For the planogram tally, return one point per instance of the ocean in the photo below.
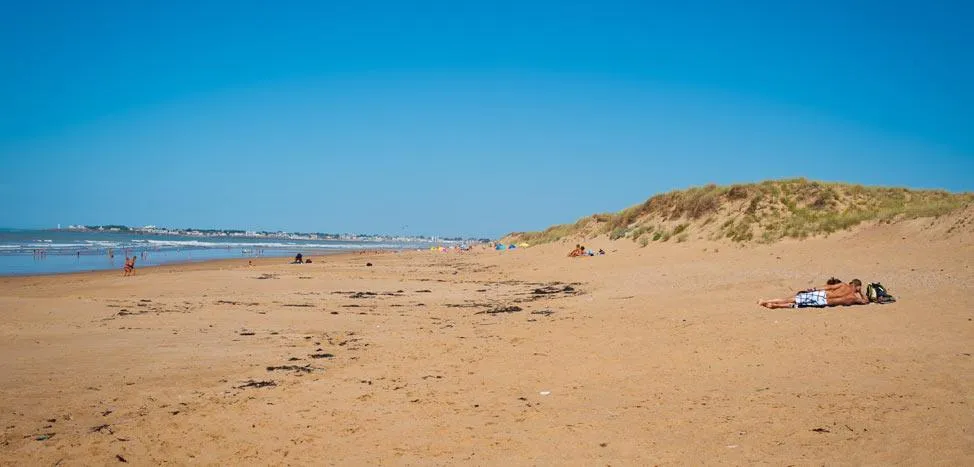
(28, 252)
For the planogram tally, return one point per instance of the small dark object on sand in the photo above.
(543, 312)
(506, 309)
(424, 291)
(304, 369)
(246, 333)
(368, 265)
(231, 302)
(821, 430)
(99, 428)
(267, 276)
(257, 384)
(120, 458)
(322, 355)
(548, 289)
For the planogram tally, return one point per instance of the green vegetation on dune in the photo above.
(765, 212)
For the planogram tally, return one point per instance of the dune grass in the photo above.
(764, 212)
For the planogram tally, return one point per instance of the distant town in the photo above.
(191, 232)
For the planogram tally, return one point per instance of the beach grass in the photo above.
(764, 212)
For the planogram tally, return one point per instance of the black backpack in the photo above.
(876, 293)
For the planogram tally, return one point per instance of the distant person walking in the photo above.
(129, 268)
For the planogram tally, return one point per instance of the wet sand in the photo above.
(655, 355)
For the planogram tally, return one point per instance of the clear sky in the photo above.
(464, 118)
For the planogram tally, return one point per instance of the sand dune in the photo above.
(654, 355)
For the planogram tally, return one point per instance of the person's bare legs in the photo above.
(778, 303)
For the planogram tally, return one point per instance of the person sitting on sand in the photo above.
(297, 259)
(827, 295)
(578, 251)
(129, 267)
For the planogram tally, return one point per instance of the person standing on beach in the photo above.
(129, 268)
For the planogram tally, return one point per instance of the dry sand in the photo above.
(654, 355)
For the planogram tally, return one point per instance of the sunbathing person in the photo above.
(129, 267)
(827, 295)
(578, 251)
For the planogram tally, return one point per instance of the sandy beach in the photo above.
(655, 355)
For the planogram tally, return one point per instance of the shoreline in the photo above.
(30, 253)
(193, 265)
(269, 259)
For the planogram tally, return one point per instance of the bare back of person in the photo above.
(836, 291)
(844, 295)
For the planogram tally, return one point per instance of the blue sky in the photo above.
(464, 118)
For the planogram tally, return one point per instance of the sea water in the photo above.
(25, 252)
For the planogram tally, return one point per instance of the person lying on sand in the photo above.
(578, 251)
(827, 295)
(129, 267)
